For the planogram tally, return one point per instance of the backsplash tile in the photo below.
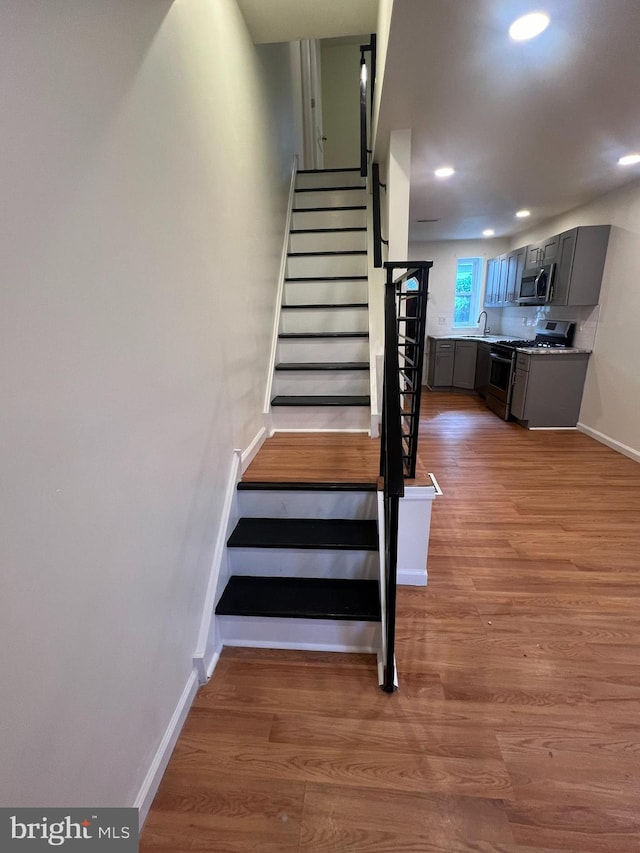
(585, 318)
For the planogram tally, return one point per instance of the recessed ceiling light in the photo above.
(488, 232)
(522, 214)
(444, 172)
(529, 26)
(629, 160)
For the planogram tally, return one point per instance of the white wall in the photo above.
(442, 279)
(142, 225)
(611, 401)
(341, 103)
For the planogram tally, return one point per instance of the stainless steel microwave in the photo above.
(536, 285)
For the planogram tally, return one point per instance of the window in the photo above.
(467, 291)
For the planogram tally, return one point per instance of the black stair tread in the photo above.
(323, 209)
(322, 171)
(323, 365)
(324, 305)
(301, 598)
(311, 486)
(325, 400)
(329, 254)
(327, 189)
(286, 335)
(339, 534)
(328, 278)
(326, 230)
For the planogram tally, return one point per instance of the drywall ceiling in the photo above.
(289, 20)
(537, 125)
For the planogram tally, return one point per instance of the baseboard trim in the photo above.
(631, 452)
(412, 577)
(247, 456)
(204, 657)
(162, 755)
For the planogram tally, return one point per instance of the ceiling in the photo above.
(537, 125)
(290, 20)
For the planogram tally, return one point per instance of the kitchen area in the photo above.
(532, 373)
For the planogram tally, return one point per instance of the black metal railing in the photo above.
(405, 311)
(375, 211)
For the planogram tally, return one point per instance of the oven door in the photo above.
(500, 375)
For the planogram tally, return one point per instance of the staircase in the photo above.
(321, 374)
(303, 568)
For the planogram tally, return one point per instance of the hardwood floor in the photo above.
(517, 724)
(320, 457)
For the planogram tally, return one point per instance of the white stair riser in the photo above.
(331, 292)
(329, 219)
(303, 563)
(309, 504)
(330, 198)
(320, 418)
(331, 635)
(325, 320)
(300, 382)
(324, 349)
(317, 266)
(346, 178)
(332, 241)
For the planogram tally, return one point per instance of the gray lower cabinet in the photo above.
(547, 389)
(441, 355)
(451, 363)
(464, 365)
(483, 368)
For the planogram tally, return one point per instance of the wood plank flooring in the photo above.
(516, 728)
(321, 457)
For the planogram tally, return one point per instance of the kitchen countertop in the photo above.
(492, 339)
(552, 350)
(488, 339)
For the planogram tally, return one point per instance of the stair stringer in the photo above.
(266, 409)
(376, 285)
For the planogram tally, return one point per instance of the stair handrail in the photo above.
(364, 76)
(376, 217)
(408, 291)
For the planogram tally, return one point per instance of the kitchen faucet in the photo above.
(486, 331)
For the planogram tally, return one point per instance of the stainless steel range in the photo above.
(550, 333)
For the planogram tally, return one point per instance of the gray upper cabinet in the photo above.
(503, 279)
(492, 283)
(533, 256)
(580, 263)
(545, 252)
(515, 267)
(550, 249)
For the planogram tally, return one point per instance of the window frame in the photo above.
(476, 290)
